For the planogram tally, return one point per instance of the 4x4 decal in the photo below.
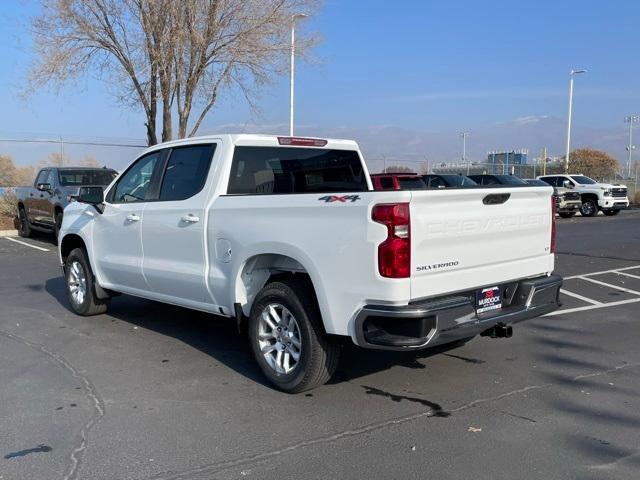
(340, 198)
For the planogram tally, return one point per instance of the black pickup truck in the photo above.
(41, 206)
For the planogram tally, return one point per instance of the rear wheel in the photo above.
(589, 208)
(611, 213)
(24, 229)
(567, 214)
(80, 282)
(288, 339)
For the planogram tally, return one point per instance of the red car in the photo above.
(398, 181)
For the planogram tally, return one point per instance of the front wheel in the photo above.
(589, 208)
(288, 339)
(24, 228)
(611, 213)
(80, 282)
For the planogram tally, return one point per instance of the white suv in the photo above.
(595, 196)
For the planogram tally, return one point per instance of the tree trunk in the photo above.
(167, 129)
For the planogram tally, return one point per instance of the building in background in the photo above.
(503, 161)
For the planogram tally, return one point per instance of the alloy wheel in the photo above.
(279, 338)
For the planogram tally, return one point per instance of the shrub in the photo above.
(8, 203)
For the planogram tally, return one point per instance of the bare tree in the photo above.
(180, 54)
(12, 175)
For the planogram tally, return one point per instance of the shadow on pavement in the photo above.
(218, 337)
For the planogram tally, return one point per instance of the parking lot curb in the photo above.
(8, 233)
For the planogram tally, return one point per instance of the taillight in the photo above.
(394, 254)
(554, 233)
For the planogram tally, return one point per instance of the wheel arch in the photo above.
(70, 242)
(589, 196)
(260, 268)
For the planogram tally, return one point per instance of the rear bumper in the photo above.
(442, 320)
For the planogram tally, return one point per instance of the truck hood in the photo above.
(600, 186)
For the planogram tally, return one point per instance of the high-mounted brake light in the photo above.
(554, 231)
(394, 254)
(301, 141)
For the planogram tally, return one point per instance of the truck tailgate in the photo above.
(470, 238)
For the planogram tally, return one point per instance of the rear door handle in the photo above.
(190, 218)
(132, 217)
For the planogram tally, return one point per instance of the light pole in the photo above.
(464, 136)
(566, 158)
(631, 119)
(293, 66)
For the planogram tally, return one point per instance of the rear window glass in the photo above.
(458, 181)
(412, 184)
(101, 177)
(283, 170)
(510, 180)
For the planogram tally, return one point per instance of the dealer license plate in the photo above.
(488, 299)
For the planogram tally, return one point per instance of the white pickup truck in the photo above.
(595, 196)
(287, 236)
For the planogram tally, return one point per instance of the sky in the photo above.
(435, 66)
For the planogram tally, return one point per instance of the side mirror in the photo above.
(43, 187)
(567, 184)
(93, 196)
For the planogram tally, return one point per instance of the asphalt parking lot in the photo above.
(150, 391)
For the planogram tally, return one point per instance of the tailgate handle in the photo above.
(496, 198)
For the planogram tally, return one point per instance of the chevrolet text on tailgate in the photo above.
(287, 236)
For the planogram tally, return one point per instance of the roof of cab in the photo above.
(251, 139)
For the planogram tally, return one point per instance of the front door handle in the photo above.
(132, 217)
(190, 218)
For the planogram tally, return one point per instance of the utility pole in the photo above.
(631, 119)
(293, 67)
(566, 158)
(464, 135)
(544, 160)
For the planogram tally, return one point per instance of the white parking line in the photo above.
(615, 287)
(615, 270)
(580, 297)
(628, 275)
(592, 307)
(27, 244)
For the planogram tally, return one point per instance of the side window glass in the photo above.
(134, 184)
(186, 172)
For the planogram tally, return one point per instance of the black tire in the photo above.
(318, 355)
(567, 214)
(90, 303)
(57, 224)
(24, 229)
(589, 208)
(611, 213)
